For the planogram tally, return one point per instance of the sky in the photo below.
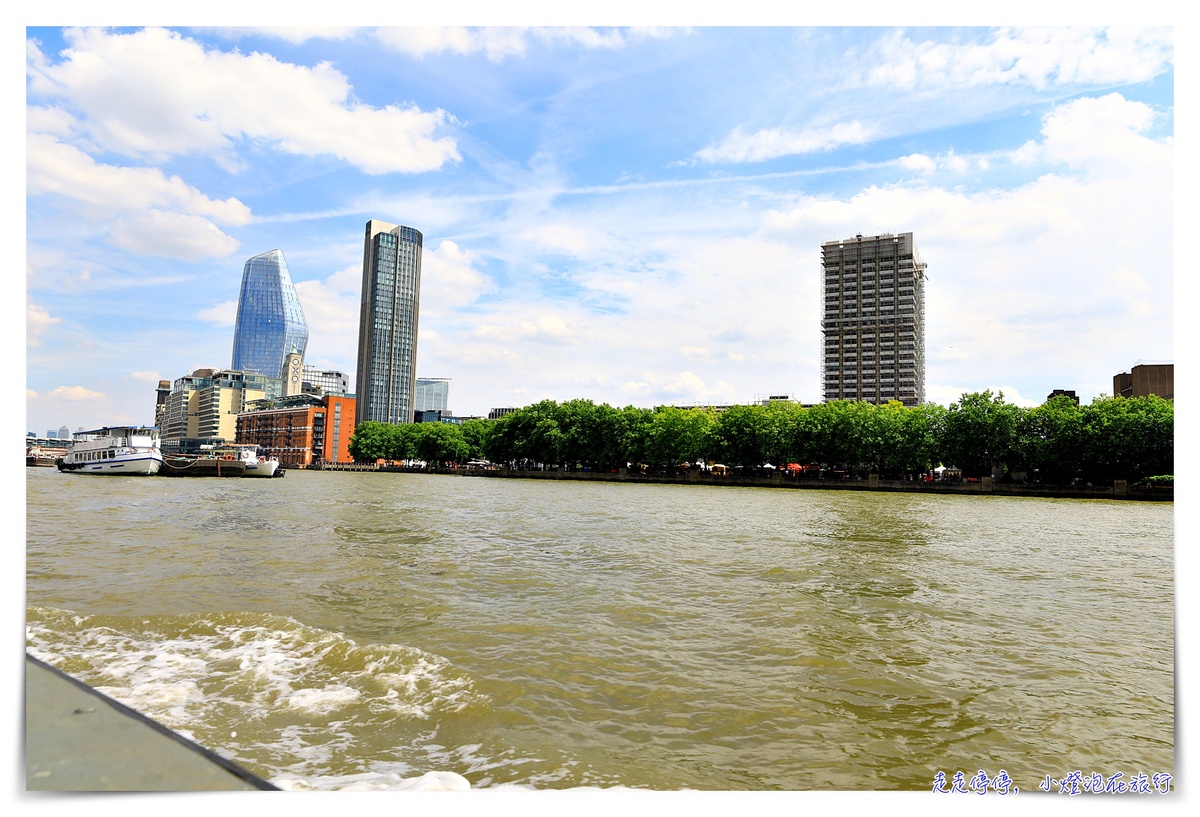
(631, 215)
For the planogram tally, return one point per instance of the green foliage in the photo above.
(367, 442)
(981, 432)
(632, 434)
(1128, 438)
(1113, 438)
(676, 435)
(438, 443)
(1052, 438)
(475, 434)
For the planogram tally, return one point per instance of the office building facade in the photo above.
(386, 381)
(204, 405)
(326, 381)
(270, 322)
(873, 319)
(433, 394)
(1146, 379)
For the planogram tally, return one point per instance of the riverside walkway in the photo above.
(79, 740)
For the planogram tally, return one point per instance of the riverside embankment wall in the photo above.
(1118, 490)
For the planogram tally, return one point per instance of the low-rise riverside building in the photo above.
(300, 430)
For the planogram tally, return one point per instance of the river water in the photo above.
(356, 630)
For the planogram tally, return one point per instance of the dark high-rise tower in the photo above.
(873, 325)
(270, 322)
(387, 330)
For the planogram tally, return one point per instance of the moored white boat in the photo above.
(257, 465)
(39, 456)
(130, 450)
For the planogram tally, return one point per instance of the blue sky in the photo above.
(631, 215)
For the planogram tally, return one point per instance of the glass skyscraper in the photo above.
(387, 330)
(270, 322)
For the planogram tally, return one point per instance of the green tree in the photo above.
(439, 443)
(920, 448)
(677, 435)
(632, 431)
(1128, 438)
(475, 433)
(368, 441)
(981, 432)
(589, 433)
(1051, 441)
(833, 433)
(744, 435)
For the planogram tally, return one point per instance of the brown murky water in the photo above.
(357, 629)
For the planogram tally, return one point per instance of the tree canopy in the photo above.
(1060, 441)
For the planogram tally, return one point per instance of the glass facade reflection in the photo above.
(387, 331)
(270, 322)
(433, 394)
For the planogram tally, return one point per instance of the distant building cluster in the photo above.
(872, 329)
(299, 413)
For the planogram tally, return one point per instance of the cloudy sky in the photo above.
(631, 215)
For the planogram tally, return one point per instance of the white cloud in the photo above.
(1102, 135)
(449, 279)
(956, 163)
(37, 322)
(75, 393)
(563, 238)
(549, 329)
(296, 35)
(946, 395)
(145, 377)
(771, 143)
(688, 387)
(331, 308)
(918, 162)
(171, 235)
(224, 314)
(1037, 57)
(501, 42)
(131, 99)
(145, 210)
(58, 168)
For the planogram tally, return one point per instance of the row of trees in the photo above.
(1112, 438)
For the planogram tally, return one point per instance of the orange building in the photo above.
(301, 430)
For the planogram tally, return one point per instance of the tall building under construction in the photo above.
(873, 324)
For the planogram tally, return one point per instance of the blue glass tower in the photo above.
(270, 322)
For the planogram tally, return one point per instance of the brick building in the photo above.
(301, 430)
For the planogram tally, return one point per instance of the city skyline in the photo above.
(633, 216)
